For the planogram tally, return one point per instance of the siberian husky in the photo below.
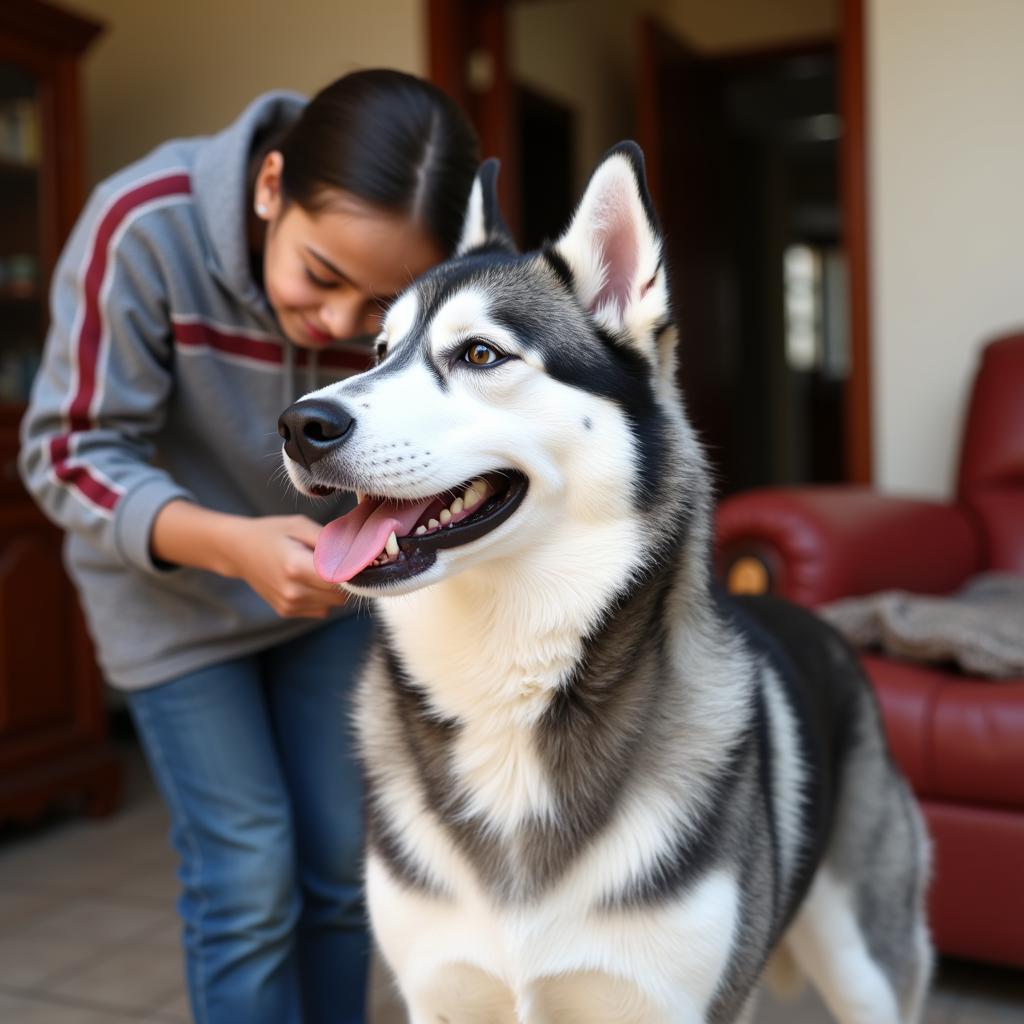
(597, 789)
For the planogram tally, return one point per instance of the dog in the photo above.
(597, 788)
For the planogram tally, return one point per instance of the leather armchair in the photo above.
(959, 740)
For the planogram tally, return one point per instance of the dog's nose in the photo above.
(312, 428)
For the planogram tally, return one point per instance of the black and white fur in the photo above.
(598, 790)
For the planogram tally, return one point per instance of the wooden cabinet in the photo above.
(53, 733)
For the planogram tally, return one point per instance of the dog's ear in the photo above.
(613, 250)
(483, 226)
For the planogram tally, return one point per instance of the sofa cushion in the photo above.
(992, 448)
(976, 902)
(1000, 516)
(955, 738)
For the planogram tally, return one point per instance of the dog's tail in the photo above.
(783, 975)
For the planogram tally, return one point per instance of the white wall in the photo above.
(166, 68)
(946, 91)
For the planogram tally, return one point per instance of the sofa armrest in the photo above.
(817, 544)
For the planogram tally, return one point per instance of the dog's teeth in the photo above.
(392, 545)
(446, 517)
(471, 497)
(360, 495)
(457, 506)
(433, 524)
(420, 530)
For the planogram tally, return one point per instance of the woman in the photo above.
(204, 289)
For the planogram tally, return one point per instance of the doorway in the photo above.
(744, 159)
(751, 157)
(546, 130)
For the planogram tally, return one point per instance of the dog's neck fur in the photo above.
(512, 629)
(494, 649)
(493, 644)
(497, 639)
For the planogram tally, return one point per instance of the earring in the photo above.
(261, 209)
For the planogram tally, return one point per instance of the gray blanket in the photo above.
(980, 628)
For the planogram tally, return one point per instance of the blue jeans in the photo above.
(255, 760)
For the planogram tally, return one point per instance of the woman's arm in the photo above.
(273, 554)
(98, 401)
(100, 395)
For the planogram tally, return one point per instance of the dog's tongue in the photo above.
(348, 545)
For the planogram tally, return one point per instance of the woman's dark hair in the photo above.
(391, 139)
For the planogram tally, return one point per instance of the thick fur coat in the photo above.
(598, 790)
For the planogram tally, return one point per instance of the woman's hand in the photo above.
(273, 554)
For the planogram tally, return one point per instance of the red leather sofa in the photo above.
(959, 740)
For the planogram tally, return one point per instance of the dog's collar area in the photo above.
(385, 540)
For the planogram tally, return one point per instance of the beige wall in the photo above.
(167, 68)
(947, 160)
(947, 178)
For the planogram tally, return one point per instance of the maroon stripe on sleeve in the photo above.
(79, 477)
(86, 345)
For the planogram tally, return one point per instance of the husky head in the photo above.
(523, 410)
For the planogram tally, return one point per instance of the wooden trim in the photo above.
(496, 110)
(457, 29)
(646, 110)
(447, 48)
(61, 171)
(47, 25)
(853, 185)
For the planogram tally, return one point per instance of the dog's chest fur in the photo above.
(496, 679)
(513, 737)
(486, 672)
(527, 784)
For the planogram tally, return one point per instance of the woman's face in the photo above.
(329, 275)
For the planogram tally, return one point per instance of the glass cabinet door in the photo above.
(22, 298)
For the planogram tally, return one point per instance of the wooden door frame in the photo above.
(465, 32)
(459, 28)
(853, 197)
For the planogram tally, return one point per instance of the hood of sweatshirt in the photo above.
(223, 197)
(222, 192)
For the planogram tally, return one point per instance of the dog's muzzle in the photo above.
(313, 428)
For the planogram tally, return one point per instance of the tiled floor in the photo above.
(88, 933)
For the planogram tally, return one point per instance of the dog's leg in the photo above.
(782, 974)
(589, 997)
(830, 948)
(913, 1004)
(461, 994)
(746, 1015)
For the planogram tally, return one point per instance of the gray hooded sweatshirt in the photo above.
(163, 376)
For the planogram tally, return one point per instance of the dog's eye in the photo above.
(479, 353)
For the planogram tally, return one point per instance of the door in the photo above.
(743, 156)
(679, 128)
